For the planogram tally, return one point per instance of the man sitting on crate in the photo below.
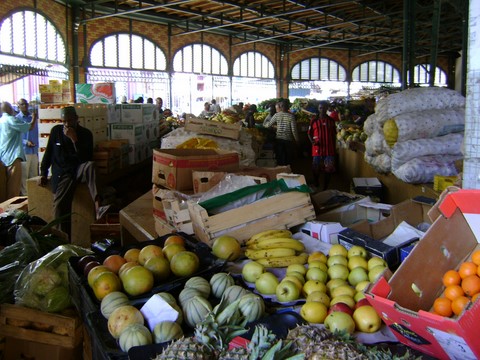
(69, 152)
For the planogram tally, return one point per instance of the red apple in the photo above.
(84, 260)
(362, 302)
(340, 307)
(89, 266)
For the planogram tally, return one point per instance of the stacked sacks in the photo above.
(416, 134)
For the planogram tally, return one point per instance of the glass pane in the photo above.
(216, 57)
(197, 58)
(381, 76)
(342, 74)
(6, 36)
(223, 66)
(296, 72)
(96, 55)
(372, 71)
(41, 37)
(258, 60)
(251, 64)
(364, 72)
(356, 74)
(137, 52)
(160, 58)
(149, 55)
(324, 69)
(111, 51)
(18, 38)
(206, 59)
(30, 33)
(236, 67)
(187, 65)
(61, 49)
(52, 42)
(124, 58)
(178, 61)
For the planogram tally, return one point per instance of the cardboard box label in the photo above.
(95, 93)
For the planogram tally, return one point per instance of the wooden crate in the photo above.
(280, 211)
(215, 128)
(27, 324)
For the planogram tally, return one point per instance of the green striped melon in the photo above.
(252, 307)
(186, 294)
(165, 331)
(196, 310)
(179, 320)
(220, 282)
(134, 335)
(200, 284)
(233, 293)
(112, 301)
(169, 298)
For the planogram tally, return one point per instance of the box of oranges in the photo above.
(431, 301)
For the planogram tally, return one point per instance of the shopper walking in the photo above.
(12, 152)
(322, 135)
(216, 109)
(69, 152)
(286, 135)
(30, 145)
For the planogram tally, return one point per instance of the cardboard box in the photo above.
(95, 93)
(132, 132)
(449, 241)
(205, 180)
(368, 187)
(269, 173)
(371, 235)
(329, 200)
(281, 211)
(137, 113)
(172, 168)
(321, 230)
(216, 128)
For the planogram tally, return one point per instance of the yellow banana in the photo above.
(266, 253)
(272, 243)
(284, 261)
(269, 234)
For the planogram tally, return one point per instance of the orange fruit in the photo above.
(459, 304)
(453, 291)
(475, 297)
(114, 262)
(174, 239)
(471, 285)
(467, 268)
(451, 277)
(443, 306)
(476, 257)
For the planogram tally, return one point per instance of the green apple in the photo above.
(252, 270)
(316, 274)
(319, 296)
(295, 280)
(342, 290)
(333, 283)
(362, 285)
(359, 295)
(318, 264)
(337, 249)
(375, 273)
(287, 291)
(339, 321)
(357, 250)
(338, 271)
(298, 268)
(313, 285)
(266, 283)
(337, 259)
(357, 261)
(346, 299)
(357, 275)
(366, 319)
(298, 276)
(375, 261)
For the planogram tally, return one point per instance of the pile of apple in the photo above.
(138, 270)
(332, 286)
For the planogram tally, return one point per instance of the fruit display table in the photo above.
(136, 220)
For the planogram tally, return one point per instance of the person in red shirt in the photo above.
(322, 135)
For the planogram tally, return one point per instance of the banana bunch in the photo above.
(275, 248)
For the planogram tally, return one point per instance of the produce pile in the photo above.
(416, 134)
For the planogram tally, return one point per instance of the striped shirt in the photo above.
(286, 126)
(323, 132)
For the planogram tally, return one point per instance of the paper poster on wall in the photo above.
(95, 93)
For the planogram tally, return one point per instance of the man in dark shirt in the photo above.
(69, 152)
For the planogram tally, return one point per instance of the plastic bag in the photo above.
(43, 284)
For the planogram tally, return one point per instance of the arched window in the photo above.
(134, 63)
(315, 69)
(376, 71)
(319, 78)
(32, 52)
(127, 51)
(253, 64)
(200, 59)
(422, 75)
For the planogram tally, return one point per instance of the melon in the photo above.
(196, 310)
(233, 293)
(123, 316)
(252, 307)
(200, 284)
(186, 294)
(134, 335)
(112, 301)
(165, 331)
(220, 282)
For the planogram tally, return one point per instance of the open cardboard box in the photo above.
(448, 242)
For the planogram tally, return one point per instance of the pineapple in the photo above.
(186, 348)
